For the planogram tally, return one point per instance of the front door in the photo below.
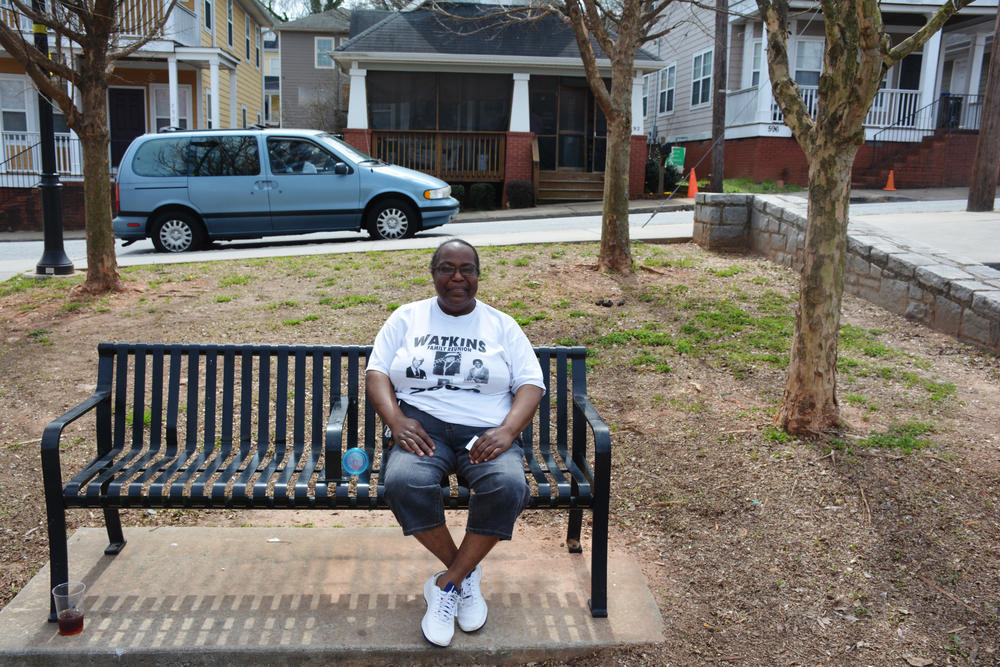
(126, 119)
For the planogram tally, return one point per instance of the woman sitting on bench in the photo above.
(454, 420)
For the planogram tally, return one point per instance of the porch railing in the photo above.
(451, 156)
(21, 157)
(948, 113)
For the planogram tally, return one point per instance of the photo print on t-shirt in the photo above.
(448, 364)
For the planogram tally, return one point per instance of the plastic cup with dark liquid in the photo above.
(69, 610)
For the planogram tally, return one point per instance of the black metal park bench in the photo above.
(265, 427)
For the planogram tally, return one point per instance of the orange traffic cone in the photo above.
(692, 185)
(890, 185)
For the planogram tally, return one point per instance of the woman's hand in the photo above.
(411, 436)
(491, 444)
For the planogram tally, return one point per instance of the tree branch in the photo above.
(786, 91)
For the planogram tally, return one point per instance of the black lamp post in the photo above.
(54, 260)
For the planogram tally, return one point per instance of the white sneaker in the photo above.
(438, 624)
(471, 605)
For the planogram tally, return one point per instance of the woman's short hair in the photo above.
(437, 253)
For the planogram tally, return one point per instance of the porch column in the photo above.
(520, 105)
(357, 105)
(764, 95)
(213, 64)
(928, 78)
(638, 121)
(172, 81)
(978, 49)
(233, 118)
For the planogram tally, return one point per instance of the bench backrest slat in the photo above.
(281, 396)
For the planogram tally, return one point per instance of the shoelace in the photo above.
(446, 607)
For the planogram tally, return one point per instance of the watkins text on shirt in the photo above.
(449, 343)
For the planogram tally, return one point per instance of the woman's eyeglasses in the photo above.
(467, 270)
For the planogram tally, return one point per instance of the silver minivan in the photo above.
(183, 189)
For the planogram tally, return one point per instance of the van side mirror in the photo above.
(341, 168)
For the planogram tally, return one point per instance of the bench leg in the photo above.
(573, 533)
(58, 553)
(599, 563)
(116, 538)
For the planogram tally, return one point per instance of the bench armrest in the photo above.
(602, 435)
(334, 439)
(51, 470)
(53, 430)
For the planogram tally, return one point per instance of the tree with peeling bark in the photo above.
(90, 37)
(620, 29)
(856, 56)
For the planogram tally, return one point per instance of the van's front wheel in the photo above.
(177, 231)
(392, 219)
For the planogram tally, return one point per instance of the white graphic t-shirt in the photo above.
(463, 370)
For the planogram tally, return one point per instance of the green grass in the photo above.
(905, 437)
(348, 301)
(745, 185)
(238, 279)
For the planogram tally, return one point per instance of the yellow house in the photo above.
(205, 71)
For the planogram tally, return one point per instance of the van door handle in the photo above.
(264, 185)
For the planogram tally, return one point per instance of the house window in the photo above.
(246, 38)
(243, 115)
(208, 109)
(645, 92)
(808, 62)
(13, 112)
(229, 23)
(324, 49)
(427, 101)
(668, 80)
(209, 14)
(270, 40)
(756, 51)
(161, 106)
(256, 48)
(701, 79)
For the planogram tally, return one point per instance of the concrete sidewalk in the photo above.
(266, 596)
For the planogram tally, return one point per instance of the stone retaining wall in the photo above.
(951, 294)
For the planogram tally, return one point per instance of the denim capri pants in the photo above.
(413, 483)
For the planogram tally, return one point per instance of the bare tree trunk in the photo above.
(102, 265)
(983, 189)
(809, 404)
(616, 250)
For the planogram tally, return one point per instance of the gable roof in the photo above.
(332, 20)
(479, 32)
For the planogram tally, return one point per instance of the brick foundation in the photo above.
(517, 161)
(360, 139)
(21, 208)
(637, 166)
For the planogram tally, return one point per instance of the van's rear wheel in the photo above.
(177, 231)
(392, 219)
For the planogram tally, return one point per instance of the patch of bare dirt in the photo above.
(759, 549)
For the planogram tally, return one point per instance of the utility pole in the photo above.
(719, 76)
(983, 188)
(54, 260)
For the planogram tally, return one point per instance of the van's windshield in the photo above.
(348, 151)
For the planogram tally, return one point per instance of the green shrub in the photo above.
(520, 194)
(482, 196)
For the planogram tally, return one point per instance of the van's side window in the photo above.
(225, 156)
(294, 156)
(162, 157)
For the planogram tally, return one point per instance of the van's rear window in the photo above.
(162, 157)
